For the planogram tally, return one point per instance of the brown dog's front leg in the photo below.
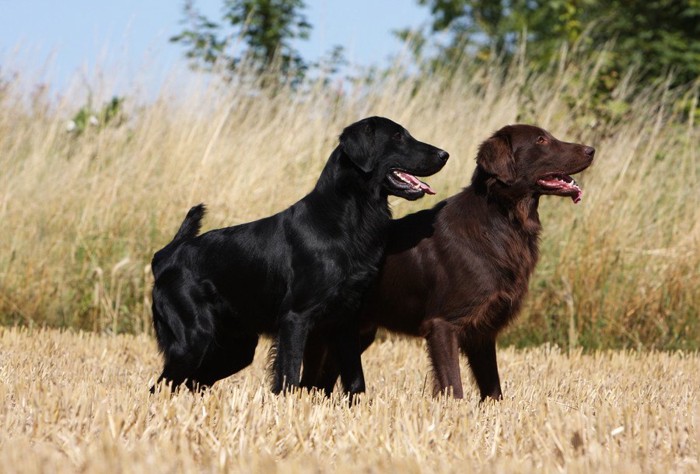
(444, 355)
(482, 360)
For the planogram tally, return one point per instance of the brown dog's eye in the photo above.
(398, 136)
(542, 140)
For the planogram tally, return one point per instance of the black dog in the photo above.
(304, 268)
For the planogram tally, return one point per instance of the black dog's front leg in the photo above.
(291, 341)
(320, 364)
(347, 347)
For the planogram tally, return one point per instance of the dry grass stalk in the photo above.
(83, 215)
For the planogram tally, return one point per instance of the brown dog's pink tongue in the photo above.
(566, 185)
(577, 197)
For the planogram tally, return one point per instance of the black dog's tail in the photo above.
(188, 230)
(191, 225)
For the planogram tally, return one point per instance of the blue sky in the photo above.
(71, 36)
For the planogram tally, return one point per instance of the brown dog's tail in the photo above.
(188, 230)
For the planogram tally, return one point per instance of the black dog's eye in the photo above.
(542, 140)
(398, 136)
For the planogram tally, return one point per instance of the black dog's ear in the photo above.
(358, 143)
(496, 158)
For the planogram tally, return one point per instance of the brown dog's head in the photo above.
(528, 160)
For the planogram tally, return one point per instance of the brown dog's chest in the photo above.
(521, 253)
(484, 288)
(474, 279)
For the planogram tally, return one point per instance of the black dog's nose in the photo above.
(443, 155)
(589, 150)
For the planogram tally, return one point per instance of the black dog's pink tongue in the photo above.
(425, 187)
(415, 182)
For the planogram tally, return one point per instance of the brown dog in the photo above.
(458, 273)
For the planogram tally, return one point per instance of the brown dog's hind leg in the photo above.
(444, 355)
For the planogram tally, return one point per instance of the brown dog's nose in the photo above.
(589, 150)
(443, 155)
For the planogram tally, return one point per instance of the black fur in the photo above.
(307, 267)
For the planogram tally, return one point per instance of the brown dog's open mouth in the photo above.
(562, 185)
(407, 182)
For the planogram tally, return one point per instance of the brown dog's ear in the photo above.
(496, 158)
(357, 141)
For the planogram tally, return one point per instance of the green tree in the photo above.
(656, 36)
(266, 27)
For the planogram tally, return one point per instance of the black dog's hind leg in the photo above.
(291, 341)
(226, 358)
(180, 356)
(186, 330)
(178, 369)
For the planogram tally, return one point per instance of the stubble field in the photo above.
(79, 402)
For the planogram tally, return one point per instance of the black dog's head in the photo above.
(528, 160)
(385, 151)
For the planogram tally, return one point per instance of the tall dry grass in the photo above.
(82, 215)
(79, 402)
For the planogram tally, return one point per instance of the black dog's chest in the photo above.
(337, 288)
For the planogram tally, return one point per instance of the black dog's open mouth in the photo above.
(562, 185)
(407, 182)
